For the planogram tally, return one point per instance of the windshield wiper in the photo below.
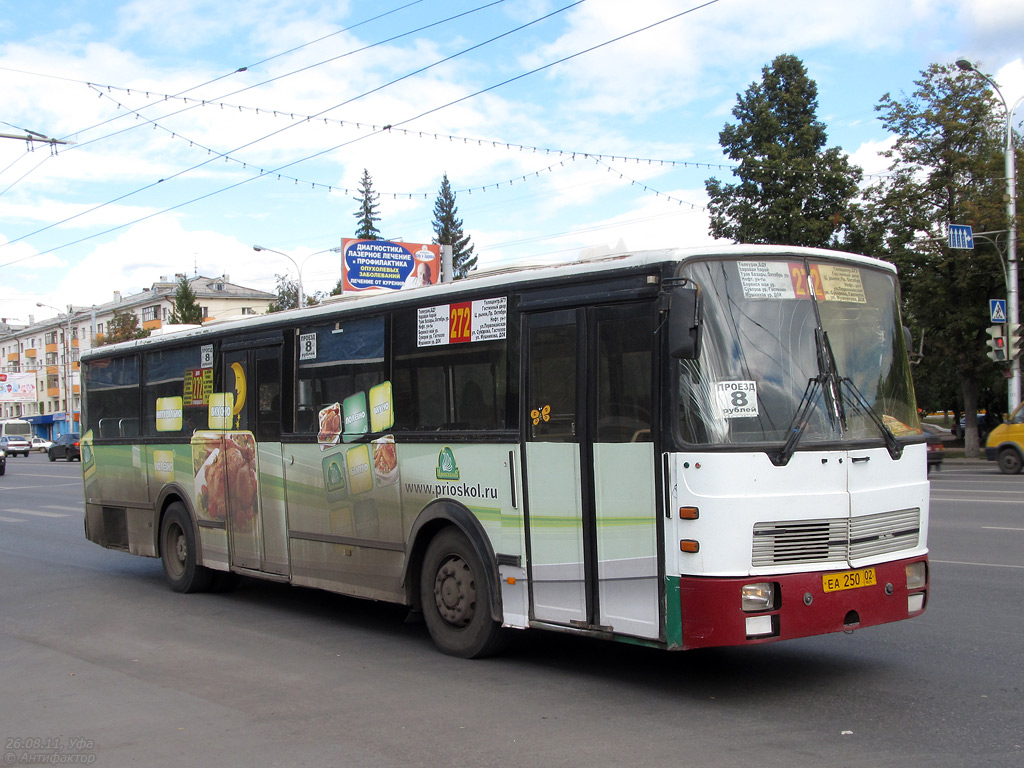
(827, 380)
(798, 424)
(893, 445)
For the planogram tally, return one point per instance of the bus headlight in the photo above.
(757, 597)
(917, 576)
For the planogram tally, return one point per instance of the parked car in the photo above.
(41, 444)
(65, 447)
(14, 444)
(936, 451)
(986, 422)
(3, 461)
(1005, 443)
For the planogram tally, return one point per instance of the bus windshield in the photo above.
(789, 345)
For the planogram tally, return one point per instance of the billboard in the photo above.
(17, 387)
(367, 264)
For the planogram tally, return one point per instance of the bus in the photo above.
(16, 428)
(679, 448)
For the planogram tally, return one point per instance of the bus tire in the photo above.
(1009, 461)
(178, 552)
(454, 598)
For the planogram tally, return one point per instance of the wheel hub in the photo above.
(455, 592)
(181, 547)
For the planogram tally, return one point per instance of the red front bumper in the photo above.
(711, 614)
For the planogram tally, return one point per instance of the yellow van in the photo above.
(1005, 443)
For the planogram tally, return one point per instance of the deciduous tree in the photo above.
(946, 169)
(123, 326)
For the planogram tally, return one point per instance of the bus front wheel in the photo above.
(178, 552)
(455, 598)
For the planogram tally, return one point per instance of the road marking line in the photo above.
(984, 565)
(997, 528)
(10, 520)
(37, 487)
(35, 513)
(966, 490)
(980, 501)
(63, 509)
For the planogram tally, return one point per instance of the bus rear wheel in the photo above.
(455, 598)
(178, 552)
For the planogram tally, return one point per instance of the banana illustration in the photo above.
(239, 372)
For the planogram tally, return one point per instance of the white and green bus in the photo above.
(680, 448)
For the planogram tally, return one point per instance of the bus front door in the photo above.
(256, 520)
(592, 522)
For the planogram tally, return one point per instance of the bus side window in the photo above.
(113, 394)
(454, 387)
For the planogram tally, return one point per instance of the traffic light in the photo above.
(996, 344)
(1013, 340)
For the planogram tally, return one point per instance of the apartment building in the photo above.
(39, 361)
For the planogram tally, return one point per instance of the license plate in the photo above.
(836, 582)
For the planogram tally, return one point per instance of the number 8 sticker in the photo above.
(735, 399)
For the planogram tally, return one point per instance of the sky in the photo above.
(566, 129)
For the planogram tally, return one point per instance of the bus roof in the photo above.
(484, 279)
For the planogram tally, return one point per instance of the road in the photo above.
(95, 648)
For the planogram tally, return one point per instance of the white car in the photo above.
(40, 444)
(15, 444)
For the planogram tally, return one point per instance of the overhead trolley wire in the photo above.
(263, 138)
(353, 141)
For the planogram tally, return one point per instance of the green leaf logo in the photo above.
(447, 469)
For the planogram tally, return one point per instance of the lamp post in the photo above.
(298, 267)
(298, 270)
(1012, 296)
(69, 408)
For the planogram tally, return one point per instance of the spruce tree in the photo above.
(448, 231)
(186, 308)
(791, 190)
(367, 215)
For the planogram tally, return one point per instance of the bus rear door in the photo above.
(257, 538)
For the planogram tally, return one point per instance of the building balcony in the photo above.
(30, 352)
(13, 357)
(51, 349)
(53, 391)
(152, 325)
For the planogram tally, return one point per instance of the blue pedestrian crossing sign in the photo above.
(997, 310)
(961, 236)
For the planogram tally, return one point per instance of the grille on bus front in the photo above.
(796, 542)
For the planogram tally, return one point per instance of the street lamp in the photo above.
(298, 267)
(69, 409)
(298, 270)
(1012, 297)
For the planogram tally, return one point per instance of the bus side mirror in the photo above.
(684, 323)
